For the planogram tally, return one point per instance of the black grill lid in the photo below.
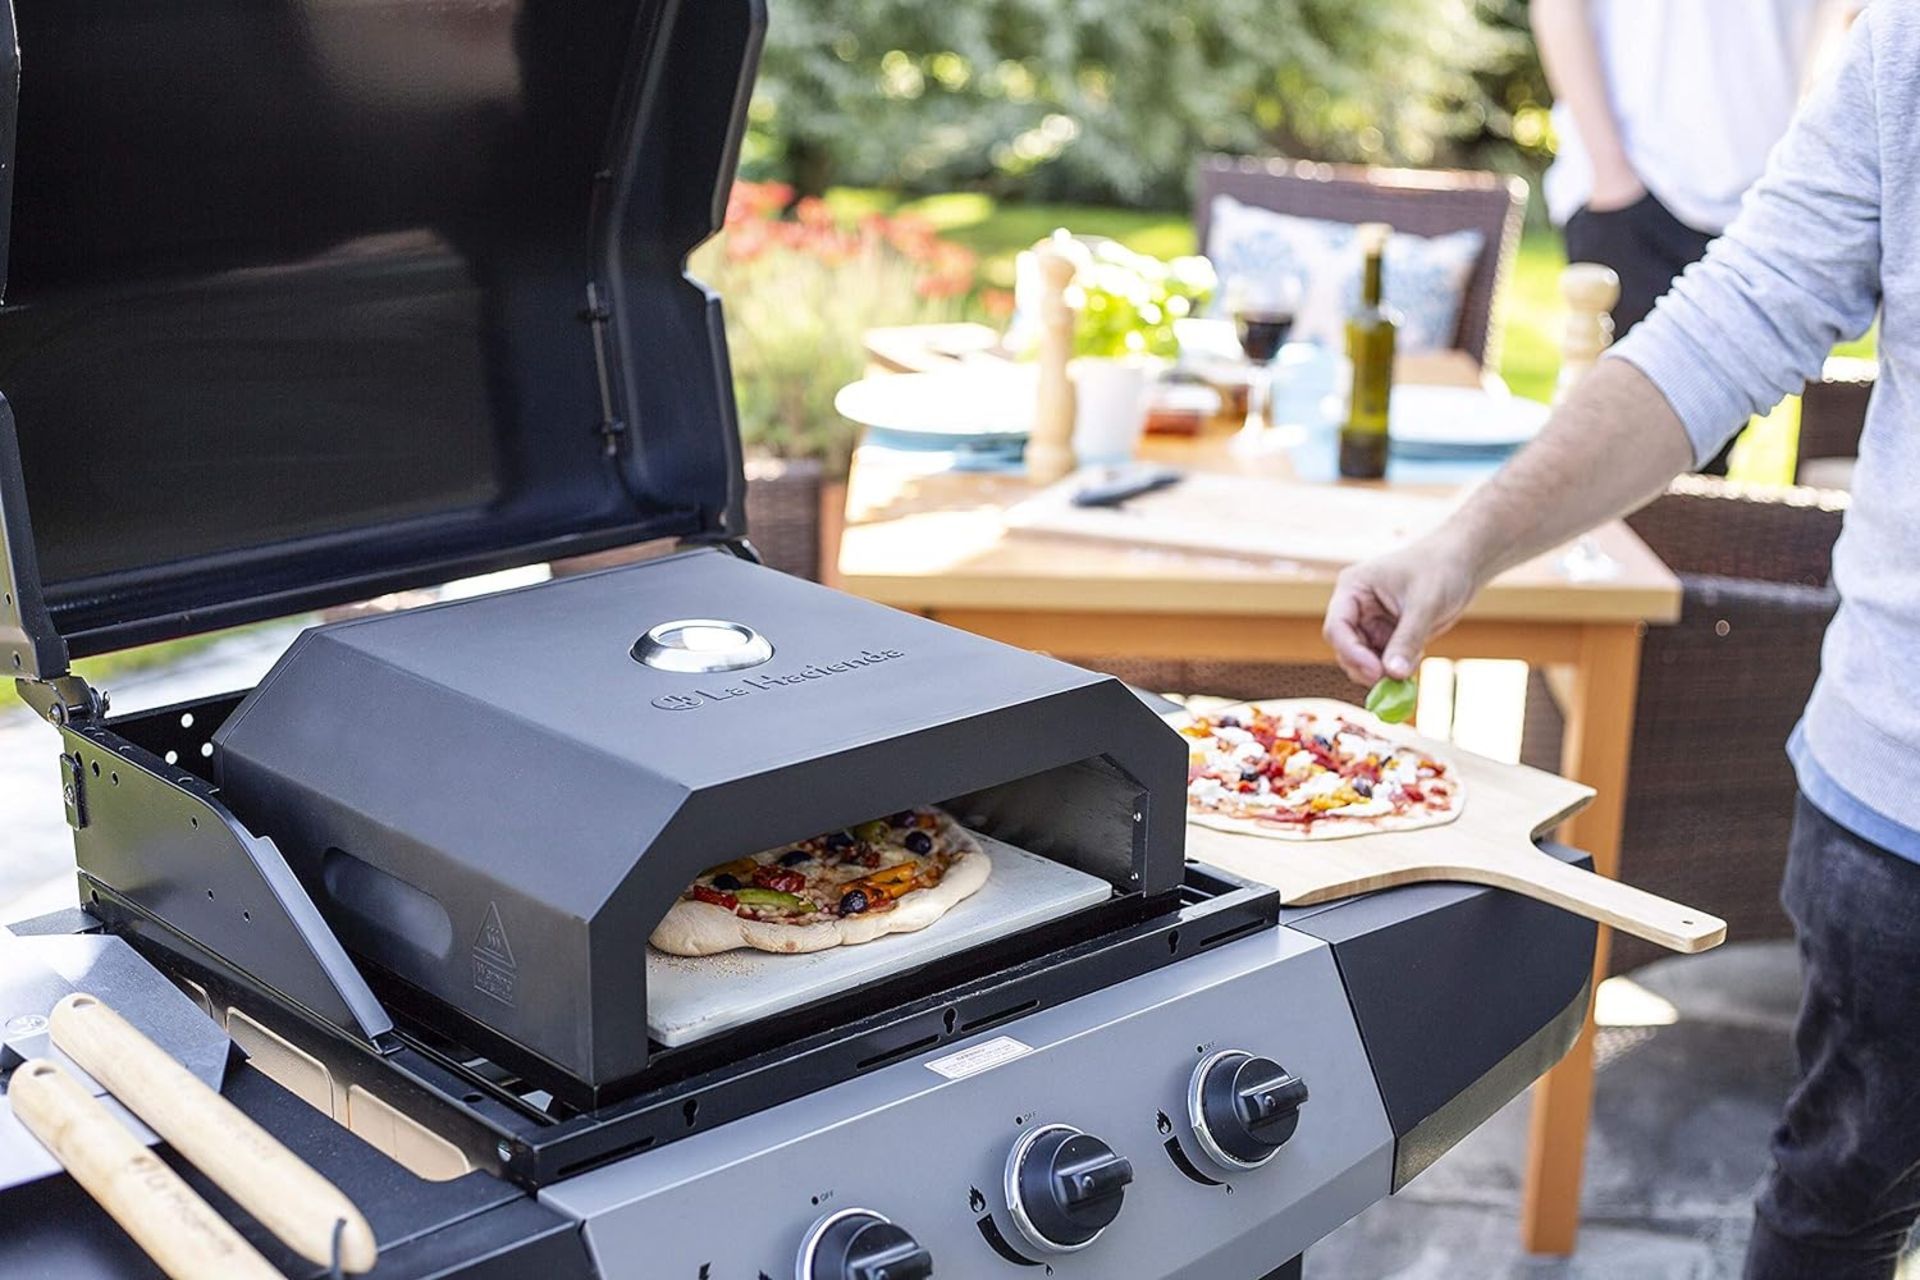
(308, 300)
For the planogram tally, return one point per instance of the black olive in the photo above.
(727, 883)
(853, 902)
(839, 840)
(919, 842)
(904, 818)
(1249, 775)
(1364, 787)
(1320, 740)
(1229, 722)
(794, 857)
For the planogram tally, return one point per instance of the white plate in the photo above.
(981, 398)
(1463, 417)
(690, 998)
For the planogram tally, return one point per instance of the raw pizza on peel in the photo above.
(891, 875)
(1311, 773)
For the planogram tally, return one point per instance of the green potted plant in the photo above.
(800, 290)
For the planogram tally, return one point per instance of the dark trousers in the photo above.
(1845, 1187)
(1647, 247)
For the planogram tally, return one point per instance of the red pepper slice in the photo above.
(701, 893)
(779, 878)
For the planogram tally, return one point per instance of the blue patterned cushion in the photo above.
(1426, 275)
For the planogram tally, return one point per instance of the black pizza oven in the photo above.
(496, 799)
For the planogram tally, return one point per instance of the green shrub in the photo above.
(1110, 99)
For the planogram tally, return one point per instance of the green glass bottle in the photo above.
(1370, 331)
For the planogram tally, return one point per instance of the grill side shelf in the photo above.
(157, 838)
(30, 646)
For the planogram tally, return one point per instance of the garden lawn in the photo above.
(1530, 346)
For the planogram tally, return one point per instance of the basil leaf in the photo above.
(1394, 700)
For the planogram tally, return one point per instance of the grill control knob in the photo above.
(1243, 1108)
(859, 1244)
(1064, 1187)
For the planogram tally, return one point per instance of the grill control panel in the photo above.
(1063, 1144)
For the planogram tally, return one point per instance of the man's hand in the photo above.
(1385, 610)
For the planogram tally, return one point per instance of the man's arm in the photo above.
(1563, 29)
(1797, 271)
(1610, 447)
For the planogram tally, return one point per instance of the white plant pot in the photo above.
(1111, 398)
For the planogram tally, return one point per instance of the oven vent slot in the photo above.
(997, 1016)
(1229, 934)
(894, 1055)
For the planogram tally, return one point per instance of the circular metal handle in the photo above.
(701, 646)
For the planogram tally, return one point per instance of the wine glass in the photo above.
(1263, 312)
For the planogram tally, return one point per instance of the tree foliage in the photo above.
(1112, 99)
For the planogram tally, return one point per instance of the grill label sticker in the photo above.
(980, 1057)
(750, 685)
(493, 968)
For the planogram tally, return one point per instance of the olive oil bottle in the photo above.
(1370, 333)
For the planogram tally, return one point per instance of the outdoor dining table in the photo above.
(925, 537)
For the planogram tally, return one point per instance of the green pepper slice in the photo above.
(772, 898)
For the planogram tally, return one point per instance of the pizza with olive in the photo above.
(1312, 772)
(891, 875)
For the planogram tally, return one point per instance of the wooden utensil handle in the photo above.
(179, 1230)
(298, 1205)
(1585, 893)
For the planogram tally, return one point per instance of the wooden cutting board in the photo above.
(1507, 808)
(1245, 516)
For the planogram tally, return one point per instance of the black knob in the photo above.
(1064, 1187)
(858, 1244)
(1244, 1108)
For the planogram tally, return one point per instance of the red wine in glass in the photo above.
(1262, 333)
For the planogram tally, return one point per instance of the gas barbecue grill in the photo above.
(310, 302)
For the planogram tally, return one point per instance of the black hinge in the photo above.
(598, 315)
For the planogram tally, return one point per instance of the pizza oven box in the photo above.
(298, 313)
(496, 801)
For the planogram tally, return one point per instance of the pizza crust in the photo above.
(703, 928)
(1341, 828)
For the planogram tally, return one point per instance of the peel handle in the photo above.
(165, 1217)
(270, 1182)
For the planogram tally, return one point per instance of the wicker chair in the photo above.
(1710, 792)
(1833, 411)
(1422, 202)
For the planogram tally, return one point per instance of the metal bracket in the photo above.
(30, 645)
(598, 315)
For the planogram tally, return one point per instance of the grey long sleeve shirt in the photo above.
(1830, 235)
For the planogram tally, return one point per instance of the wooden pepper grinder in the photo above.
(1050, 447)
(1590, 291)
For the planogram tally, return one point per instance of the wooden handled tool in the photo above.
(298, 1205)
(179, 1230)
(1507, 807)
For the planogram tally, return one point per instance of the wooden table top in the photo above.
(920, 536)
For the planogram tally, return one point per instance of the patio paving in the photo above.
(1682, 1113)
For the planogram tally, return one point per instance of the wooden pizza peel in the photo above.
(1508, 808)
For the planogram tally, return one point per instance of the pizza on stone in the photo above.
(891, 875)
(1312, 773)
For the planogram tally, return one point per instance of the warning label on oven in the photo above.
(493, 968)
(980, 1057)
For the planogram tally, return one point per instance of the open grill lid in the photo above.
(314, 300)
